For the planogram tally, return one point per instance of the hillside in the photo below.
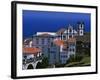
(86, 38)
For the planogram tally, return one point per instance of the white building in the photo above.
(31, 56)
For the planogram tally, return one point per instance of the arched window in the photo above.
(70, 30)
(30, 66)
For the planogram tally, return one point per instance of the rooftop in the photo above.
(45, 34)
(59, 42)
(49, 33)
(29, 50)
(61, 31)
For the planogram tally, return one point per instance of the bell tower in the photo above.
(80, 28)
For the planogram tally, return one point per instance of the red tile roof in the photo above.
(59, 42)
(32, 50)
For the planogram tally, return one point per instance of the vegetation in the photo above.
(74, 58)
(82, 56)
(84, 61)
(60, 65)
(44, 63)
(83, 48)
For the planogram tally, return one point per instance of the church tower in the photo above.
(80, 28)
(70, 31)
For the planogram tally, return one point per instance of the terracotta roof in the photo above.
(71, 40)
(32, 50)
(59, 42)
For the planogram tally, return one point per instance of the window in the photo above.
(73, 50)
(63, 56)
(37, 41)
(81, 32)
(42, 40)
(70, 30)
(52, 51)
(51, 43)
(67, 33)
(65, 49)
(25, 57)
(70, 36)
(48, 40)
(72, 45)
(48, 50)
(64, 37)
(59, 36)
(70, 49)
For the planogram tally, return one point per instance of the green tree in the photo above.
(79, 47)
(75, 58)
(44, 63)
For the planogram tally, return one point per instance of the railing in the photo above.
(25, 61)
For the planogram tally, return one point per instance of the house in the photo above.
(63, 53)
(67, 48)
(44, 41)
(31, 56)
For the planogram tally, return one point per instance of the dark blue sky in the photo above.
(43, 21)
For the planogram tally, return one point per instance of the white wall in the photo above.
(5, 37)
